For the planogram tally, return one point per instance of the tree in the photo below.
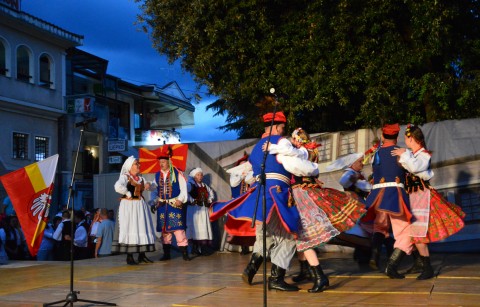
(340, 64)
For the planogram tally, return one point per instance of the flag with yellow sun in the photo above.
(148, 158)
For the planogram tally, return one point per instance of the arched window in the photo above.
(46, 71)
(24, 64)
(5, 63)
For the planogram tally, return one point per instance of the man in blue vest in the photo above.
(169, 199)
(281, 219)
(388, 203)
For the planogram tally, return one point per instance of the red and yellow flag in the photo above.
(30, 190)
(149, 157)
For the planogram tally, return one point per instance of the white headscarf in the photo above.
(127, 165)
(195, 171)
(343, 162)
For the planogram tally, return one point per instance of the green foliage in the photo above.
(342, 64)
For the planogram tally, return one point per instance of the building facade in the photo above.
(56, 98)
(32, 86)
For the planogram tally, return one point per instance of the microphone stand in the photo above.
(72, 295)
(262, 184)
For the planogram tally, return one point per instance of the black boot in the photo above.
(276, 280)
(252, 268)
(377, 242)
(389, 243)
(305, 272)
(427, 271)
(130, 259)
(184, 250)
(143, 258)
(195, 250)
(393, 263)
(417, 266)
(320, 279)
(166, 252)
(245, 250)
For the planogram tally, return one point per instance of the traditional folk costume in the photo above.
(241, 177)
(134, 232)
(281, 219)
(199, 228)
(171, 218)
(324, 212)
(388, 203)
(354, 181)
(434, 218)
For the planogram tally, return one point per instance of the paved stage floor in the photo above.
(215, 281)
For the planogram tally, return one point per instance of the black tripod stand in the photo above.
(263, 188)
(72, 295)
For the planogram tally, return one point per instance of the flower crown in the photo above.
(408, 130)
(297, 137)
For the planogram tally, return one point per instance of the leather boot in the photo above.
(377, 242)
(184, 250)
(417, 266)
(276, 280)
(305, 272)
(166, 252)
(427, 271)
(252, 268)
(389, 243)
(393, 263)
(130, 259)
(320, 279)
(143, 258)
(195, 250)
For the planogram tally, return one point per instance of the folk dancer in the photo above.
(324, 212)
(199, 228)
(169, 201)
(434, 218)
(134, 232)
(281, 219)
(241, 177)
(388, 202)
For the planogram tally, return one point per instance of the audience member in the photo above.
(47, 247)
(80, 239)
(3, 239)
(104, 233)
(63, 235)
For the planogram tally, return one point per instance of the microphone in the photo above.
(86, 122)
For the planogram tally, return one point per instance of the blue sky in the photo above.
(109, 32)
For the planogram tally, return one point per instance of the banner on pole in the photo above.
(30, 190)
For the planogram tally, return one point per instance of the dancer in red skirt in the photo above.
(434, 218)
(324, 212)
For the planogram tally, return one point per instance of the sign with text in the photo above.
(117, 145)
(115, 160)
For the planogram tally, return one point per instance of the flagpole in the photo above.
(41, 223)
(72, 296)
